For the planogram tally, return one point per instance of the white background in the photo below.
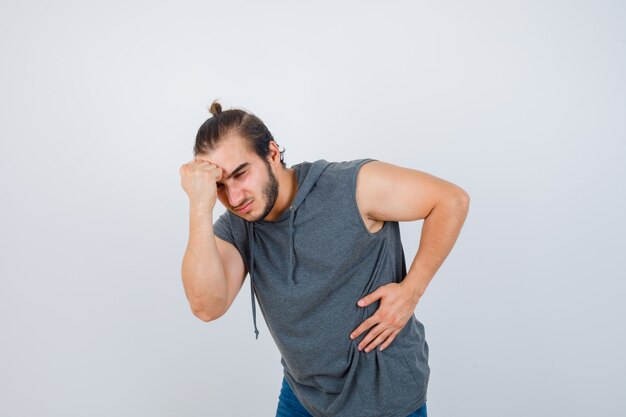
(521, 103)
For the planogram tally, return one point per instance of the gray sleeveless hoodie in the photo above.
(308, 269)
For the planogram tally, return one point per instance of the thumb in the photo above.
(370, 298)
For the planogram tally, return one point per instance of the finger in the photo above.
(370, 298)
(218, 172)
(364, 326)
(379, 339)
(202, 165)
(375, 331)
(389, 340)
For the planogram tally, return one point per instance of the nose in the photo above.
(235, 198)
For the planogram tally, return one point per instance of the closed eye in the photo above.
(237, 175)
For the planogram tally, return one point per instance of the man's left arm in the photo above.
(387, 192)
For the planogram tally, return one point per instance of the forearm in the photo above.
(203, 274)
(440, 231)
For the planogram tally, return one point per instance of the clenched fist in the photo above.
(198, 180)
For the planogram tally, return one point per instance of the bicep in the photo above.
(387, 192)
(234, 268)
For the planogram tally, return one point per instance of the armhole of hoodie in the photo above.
(223, 229)
(355, 205)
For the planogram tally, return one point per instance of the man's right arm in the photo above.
(213, 271)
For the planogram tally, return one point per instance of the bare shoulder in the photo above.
(388, 192)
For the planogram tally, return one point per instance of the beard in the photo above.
(270, 192)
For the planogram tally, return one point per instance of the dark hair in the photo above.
(243, 123)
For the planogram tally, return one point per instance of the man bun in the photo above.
(216, 108)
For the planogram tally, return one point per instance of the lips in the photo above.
(244, 208)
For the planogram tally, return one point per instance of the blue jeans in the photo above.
(289, 406)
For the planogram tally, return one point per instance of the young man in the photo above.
(321, 242)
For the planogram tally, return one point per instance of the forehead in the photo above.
(229, 153)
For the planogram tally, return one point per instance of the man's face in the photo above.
(252, 186)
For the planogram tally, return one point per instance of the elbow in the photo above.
(464, 199)
(460, 201)
(206, 314)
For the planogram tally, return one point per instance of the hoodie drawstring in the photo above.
(251, 246)
(292, 249)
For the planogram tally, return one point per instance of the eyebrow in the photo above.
(236, 170)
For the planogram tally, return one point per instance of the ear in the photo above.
(274, 154)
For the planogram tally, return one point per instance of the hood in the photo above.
(307, 173)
